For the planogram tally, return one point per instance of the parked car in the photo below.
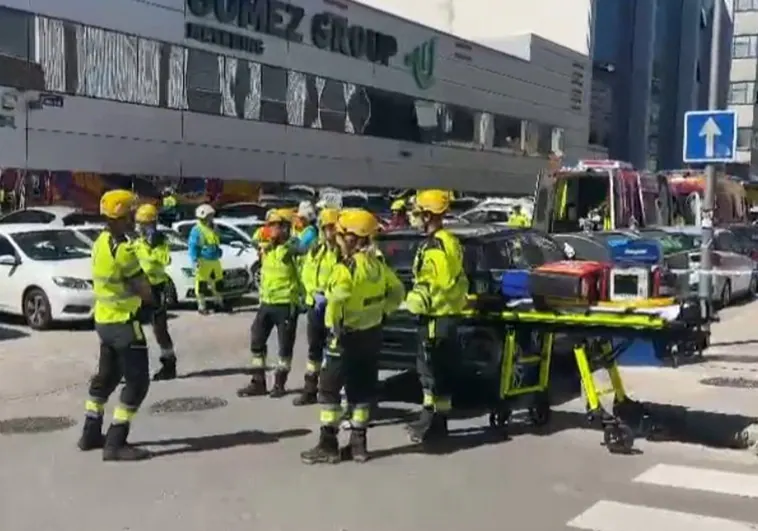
(238, 280)
(45, 274)
(681, 246)
(242, 210)
(236, 236)
(51, 215)
(747, 239)
(488, 252)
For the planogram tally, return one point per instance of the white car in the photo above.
(45, 274)
(236, 236)
(237, 276)
(50, 215)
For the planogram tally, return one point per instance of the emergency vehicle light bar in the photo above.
(590, 164)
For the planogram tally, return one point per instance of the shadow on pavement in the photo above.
(190, 445)
(217, 373)
(733, 343)
(7, 334)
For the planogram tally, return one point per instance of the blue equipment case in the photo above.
(514, 284)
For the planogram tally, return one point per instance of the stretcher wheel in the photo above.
(499, 418)
(618, 438)
(540, 413)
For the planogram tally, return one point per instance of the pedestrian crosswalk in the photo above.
(613, 515)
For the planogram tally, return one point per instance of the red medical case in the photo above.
(569, 284)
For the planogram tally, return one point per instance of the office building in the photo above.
(316, 92)
(742, 88)
(651, 64)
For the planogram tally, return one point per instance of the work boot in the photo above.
(309, 394)
(256, 387)
(280, 380)
(421, 430)
(356, 448)
(326, 451)
(167, 370)
(116, 447)
(92, 434)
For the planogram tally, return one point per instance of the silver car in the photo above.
(736, 274)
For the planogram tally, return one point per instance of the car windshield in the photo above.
(50, 245)
(90, 234)
(175, 240)
(248, 228)
(246, 210)
(674, 242)
(354, 201)
(399, 252)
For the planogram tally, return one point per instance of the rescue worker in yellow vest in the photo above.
(360, 292)
(438, 298)
(120, 288)
(279, 307)
(517, 218)
(154, 255)
(316, 267)
(205, 254)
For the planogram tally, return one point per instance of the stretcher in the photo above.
(605, 331)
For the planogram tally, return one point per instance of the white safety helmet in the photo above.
(307, 211)
(204, 211)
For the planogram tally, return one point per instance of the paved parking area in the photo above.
(233, 463)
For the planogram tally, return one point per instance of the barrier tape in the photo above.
(714, 272)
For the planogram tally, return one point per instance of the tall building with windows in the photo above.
(304, 91)
(651, 64)
(743, 91)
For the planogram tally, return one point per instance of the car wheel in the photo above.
(255, 272)
(36, 307)
(172, 299)
(753, 288)
(726, 295)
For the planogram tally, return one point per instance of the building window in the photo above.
(273, 95)
(86, 61)
(507, 134)
(746, 5)
(744, 46)
(16, 33)
(742, 93)
(746, 138)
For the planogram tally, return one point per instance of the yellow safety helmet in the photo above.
(358, 221)
(278, 215)
(146, 213)
(434, 201)
(116, 204)
(398, 205)
(328, 216)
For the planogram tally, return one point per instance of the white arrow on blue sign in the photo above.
(710, 136)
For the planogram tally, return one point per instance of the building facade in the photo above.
(651, 64)
(303, 92)
(743, 95)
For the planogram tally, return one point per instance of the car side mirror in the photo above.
(9, 260)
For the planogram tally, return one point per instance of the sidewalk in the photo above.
(714, 401)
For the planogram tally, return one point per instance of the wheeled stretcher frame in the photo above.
(596, 350)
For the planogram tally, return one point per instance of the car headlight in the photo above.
(188, 272)
(72, 283)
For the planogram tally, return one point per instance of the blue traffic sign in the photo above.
(709, 136)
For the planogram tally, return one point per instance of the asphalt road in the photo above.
(236, 466)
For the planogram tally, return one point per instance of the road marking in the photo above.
(614, 516)
(702, 479)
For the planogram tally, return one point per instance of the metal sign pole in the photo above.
(706, 217)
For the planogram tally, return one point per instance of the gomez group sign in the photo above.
(246, 19)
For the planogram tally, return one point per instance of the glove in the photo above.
(319, 302)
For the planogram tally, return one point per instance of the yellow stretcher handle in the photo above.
(634, 304)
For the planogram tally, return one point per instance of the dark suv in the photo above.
(488, 251)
